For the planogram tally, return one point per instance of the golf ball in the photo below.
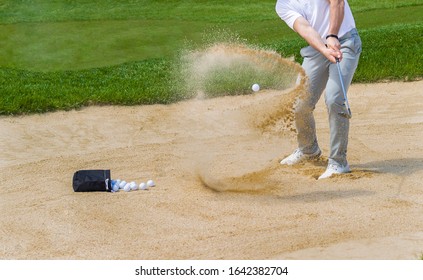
(150, 183)
(122, 184)
(133, 186)
(127, 188)
(115, 188)
(143, 186)
(255, 87)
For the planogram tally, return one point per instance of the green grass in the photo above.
(394, 53)
(217, 11)
(60, 55)
(73, 35)
(72, 45)
(145, 82)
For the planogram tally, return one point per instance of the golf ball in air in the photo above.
(150, 183)
(143, 186)
(255, 87)
(115, 188)
(127, 188)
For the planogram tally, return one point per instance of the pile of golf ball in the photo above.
(118, 185)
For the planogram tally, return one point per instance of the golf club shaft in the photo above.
(343, 88)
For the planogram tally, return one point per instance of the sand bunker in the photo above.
(221, 193)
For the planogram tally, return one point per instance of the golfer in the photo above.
(328, 27)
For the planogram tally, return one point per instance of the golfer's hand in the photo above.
(330, 54)
(334, 45)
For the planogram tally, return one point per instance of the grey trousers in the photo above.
(323, 75)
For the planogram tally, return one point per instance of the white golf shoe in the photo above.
(298, 156)
(335, 169)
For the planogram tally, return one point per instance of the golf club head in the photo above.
(345, 115)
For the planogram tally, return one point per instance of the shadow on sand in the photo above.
(318, 196)
(403, 167)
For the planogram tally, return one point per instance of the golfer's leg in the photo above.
(316, 68)
(339, 125)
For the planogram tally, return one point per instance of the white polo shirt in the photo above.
(316, 12)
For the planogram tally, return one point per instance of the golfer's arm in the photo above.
(303, 27)
(336, 16)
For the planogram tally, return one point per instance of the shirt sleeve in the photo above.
(288, 11)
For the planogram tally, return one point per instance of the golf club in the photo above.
(347, 115)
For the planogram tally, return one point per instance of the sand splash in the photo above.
(231, 69)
